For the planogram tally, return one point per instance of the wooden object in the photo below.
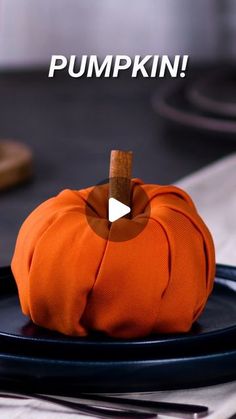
(15, 163)
(120, 175)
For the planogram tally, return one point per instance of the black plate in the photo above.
(172, 104)
(43, 373)
(71, 377)
(215, 330)
(215, 93)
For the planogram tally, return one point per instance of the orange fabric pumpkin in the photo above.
(72, 280)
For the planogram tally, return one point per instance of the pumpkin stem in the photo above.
(120, 175)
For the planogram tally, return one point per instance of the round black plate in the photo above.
(214, 331)
(215, 93)
(71, 377)
(62, 375)
(173, 105)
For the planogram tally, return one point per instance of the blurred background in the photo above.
(70, 125)
(32, 31)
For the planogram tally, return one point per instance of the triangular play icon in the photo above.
(116, 209)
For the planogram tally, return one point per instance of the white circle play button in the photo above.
(117, 209)
(106, 215)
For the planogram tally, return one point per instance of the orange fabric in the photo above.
(71, 280)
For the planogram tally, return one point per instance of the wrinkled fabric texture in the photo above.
(73, 281)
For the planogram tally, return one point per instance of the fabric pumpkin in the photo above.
(73, 281)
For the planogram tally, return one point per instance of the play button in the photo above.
(106, 215)
(116, 210)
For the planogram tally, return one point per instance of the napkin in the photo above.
(220, 399)
(213, 190)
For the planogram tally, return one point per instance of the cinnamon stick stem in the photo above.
(120, 175)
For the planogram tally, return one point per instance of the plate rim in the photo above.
(191, 119)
